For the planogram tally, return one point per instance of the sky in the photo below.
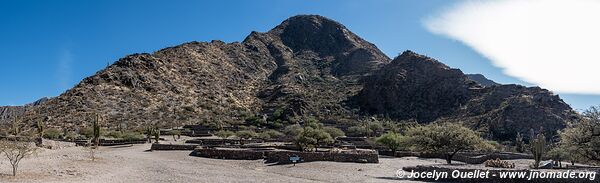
(47, 47)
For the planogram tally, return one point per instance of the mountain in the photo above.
(308, 65)
(417, 87)
(482, 80)
(9, 113)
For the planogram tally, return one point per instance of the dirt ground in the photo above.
(137, 164)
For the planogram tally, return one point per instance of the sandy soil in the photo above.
(136, 164)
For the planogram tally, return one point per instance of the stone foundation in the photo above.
(282, 157)
(171, 147)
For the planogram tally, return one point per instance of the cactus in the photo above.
(537, 145)
(156, 134)
(96, 127)
(40, 128)
(519, 143)
(149, 132)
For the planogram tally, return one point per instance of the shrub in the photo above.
(334, 132)
(224, 134)
(392, 141)
(497, 163)
(292, 130)
(87, 132)
(270, 134)
(52, 133)
(357, 131)
(245, 134)
(114, 134)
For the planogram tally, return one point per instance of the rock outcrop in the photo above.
(482, 80)
(418, 87)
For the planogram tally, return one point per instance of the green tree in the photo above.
(334, 132)
(311, 138)
(581, 139)
(446, 138)
(392, 141)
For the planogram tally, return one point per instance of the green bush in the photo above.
(334, 132)
(52, 133)
(270, 134)
(114, 134)
(392, 141)
(224, 134)
(292, 131)
(246, 134)
(87, 132)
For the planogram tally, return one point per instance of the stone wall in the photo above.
(170, 147)
(237, 154)
(466, 157)
(282, 157)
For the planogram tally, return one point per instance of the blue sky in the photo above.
(47, 47)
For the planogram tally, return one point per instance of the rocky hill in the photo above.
(482, 80)
(307, 66)
(9, 113)
(417, 87)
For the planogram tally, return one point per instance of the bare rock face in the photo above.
(482, 80)
(9, 113)
(306, 66)
(417, 87)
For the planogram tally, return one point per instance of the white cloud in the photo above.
(552, 43)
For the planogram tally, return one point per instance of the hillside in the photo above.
(306, 66)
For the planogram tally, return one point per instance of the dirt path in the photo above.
(136, 164)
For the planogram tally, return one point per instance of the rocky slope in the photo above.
(482, 80)
(307, 66)
(9, 113)
(414, 86)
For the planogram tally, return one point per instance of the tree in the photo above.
(446, 138)
(334, 132)
(311, 138)
(392, 141)
(581, 138)
(15, 151)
